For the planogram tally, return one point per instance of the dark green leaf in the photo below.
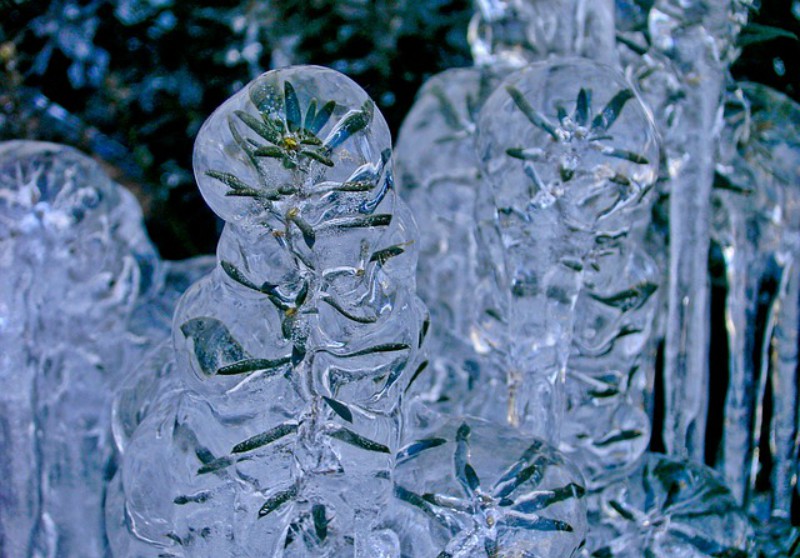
(381, 256)
(349, 437)
(544, 498)
(252, 194)
(351, 123)
(707, 546)
(257, 125)
(423, 331)
(320, 521)
(265, 438)
(583, 106)
(464, 472)
(383, 348)
(623, 511)
(611, 112)
(243, 145)
(524, 154)
(198, 498)
(216, 465)
(618, 436)
(311, 112)
(358, 186)
(233, 272)
(754, 33)
(302, 295)
(229, 180)
(421, 368)
(418, 447)
(329, 300)
(447, 110)
(318, 156)
(379, 220)
(252, 365)
(298, 353)
(270, 151)
(339, 408)
(529, 467)
(277, 501)
(623, 154)
(322, 117)
(530, 113)
(415, 500)
(293, 116)
(309, 236)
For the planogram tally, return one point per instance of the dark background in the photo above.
(131, 81)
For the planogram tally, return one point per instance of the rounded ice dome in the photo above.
(53, 184)
(472, 488)
(570, 133)
(296, 131)
(667, 508)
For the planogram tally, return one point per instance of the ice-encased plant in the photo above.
(567, 147)
(472, 488)
(293, 355)
(667, 508)
(74, 263)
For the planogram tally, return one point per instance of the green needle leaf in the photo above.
(531, 113)
(252, 365)
(339, 408)
(349, 437)
(293, 116)
(265, 438)
(611, 112)
(277, 501)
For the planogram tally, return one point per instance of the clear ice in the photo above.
(277, 429)
(667, 508)
(565, 146)
(75, 265)
(301, 402)
(756, 224)
(473, 488)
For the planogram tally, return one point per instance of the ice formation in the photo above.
(756, 225)
(565, 146)
(290, 408)
(74, 265)
(277, 435)
(475, 488)
(667, 508)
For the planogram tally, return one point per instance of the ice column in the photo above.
(757, 227)
(74, 259)
(697, 38)
(293, 355)
(564, 146)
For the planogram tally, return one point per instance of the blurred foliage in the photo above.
(131, 81)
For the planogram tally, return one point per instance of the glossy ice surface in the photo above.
(277, 433)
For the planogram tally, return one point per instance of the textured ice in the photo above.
(667, 508)
(757, 226)
(438, 172)
(566, 147)
(276, 435)
(74, 260)
(511, 33)
(612, 359)
(666, 48)
(471, 488)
